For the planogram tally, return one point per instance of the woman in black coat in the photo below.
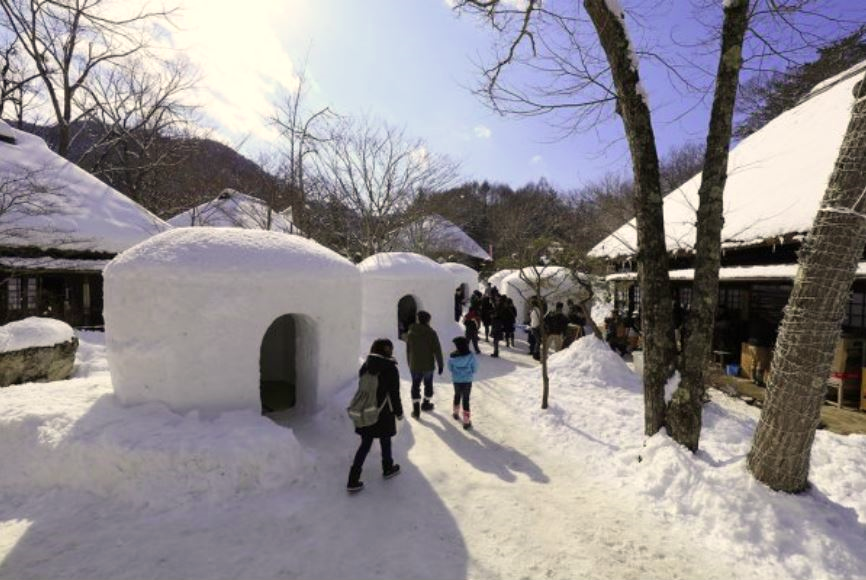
(380, 363)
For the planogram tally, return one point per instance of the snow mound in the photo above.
(226, 252)
(34, 332)
(590, 361)
(596, 412)
(73, 435)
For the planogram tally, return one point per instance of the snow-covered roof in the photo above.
(60, 205)
(398, 265)
(776, 177)
(434, 233)
(745, 273)
(229, 252)
(48, 263)
(34, 332)
(233, 209)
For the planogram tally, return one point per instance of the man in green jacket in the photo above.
(425, 355)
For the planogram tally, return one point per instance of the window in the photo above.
(85, 295)
(31, 294)
(13, 294)
(855, 316)
(732, 298)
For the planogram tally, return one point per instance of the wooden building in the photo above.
(776, 180)
(59, 227)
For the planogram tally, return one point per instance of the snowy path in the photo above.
(494, 502)
(112, 492)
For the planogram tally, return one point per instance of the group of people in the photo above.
(424, 354)
(496, 314)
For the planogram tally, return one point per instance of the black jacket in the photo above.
(389, 385)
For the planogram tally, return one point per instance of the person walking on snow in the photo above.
(470, 322)
(380, 363)
(462, 364)
(486, 315)
(425, 354)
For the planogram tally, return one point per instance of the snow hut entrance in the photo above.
(407, 311)
(286, 363)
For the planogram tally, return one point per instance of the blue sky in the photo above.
(412, 63)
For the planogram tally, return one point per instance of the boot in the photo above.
(416, 409)
(427, 405)
(467, 423)
(355, 484)
(456, 412)
(390, 469)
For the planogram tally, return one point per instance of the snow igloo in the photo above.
(558, 285)
(396, 286)
(221, 319)
(463, 276)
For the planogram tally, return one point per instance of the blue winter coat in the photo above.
(462, 367)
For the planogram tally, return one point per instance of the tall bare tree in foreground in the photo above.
(68, 41)
(810, 328)
(594, 80)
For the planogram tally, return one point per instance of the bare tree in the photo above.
(139, 122)
(16, 80)
(68, 42)
(586, 72)
(813, 318)
(376, 172)
(303, 133)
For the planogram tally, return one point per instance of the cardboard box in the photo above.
(753, 358)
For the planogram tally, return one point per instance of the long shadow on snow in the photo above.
(311, 528)
(483, 453)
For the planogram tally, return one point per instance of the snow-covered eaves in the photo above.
(52, 264)
(776, 177)
(435, 234)
(786, 272)
(233, 209)
(50, 203)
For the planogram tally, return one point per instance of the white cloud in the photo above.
(536, 159)
(241, 59)
(482, 132)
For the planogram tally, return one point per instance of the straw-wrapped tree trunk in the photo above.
(812, 322)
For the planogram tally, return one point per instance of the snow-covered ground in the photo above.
(90, 489)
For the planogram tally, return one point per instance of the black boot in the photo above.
(416, 410)
(390, 469)
(427, 405)
(355, 484)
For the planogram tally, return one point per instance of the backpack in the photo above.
(363, 410)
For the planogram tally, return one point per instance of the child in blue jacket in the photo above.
(462, 365)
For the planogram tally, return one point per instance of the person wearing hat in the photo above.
(462, 364)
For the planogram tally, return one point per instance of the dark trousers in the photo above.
(364, 449)
(535, 341)
(486, 329)
(474, 341)
(461, 393)
(427, 377)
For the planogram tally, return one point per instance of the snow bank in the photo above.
(388, 277)
(496, 279)
(596, 411)
(34, 332)
(76, 210)
(186, 313)
(75, 435)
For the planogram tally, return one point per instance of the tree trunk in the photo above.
(545, 379)
(828, 261)
(655, 299)
(684, 412)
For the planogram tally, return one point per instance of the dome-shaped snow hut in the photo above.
(396, 285)
(558, 284)
(219, 319)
